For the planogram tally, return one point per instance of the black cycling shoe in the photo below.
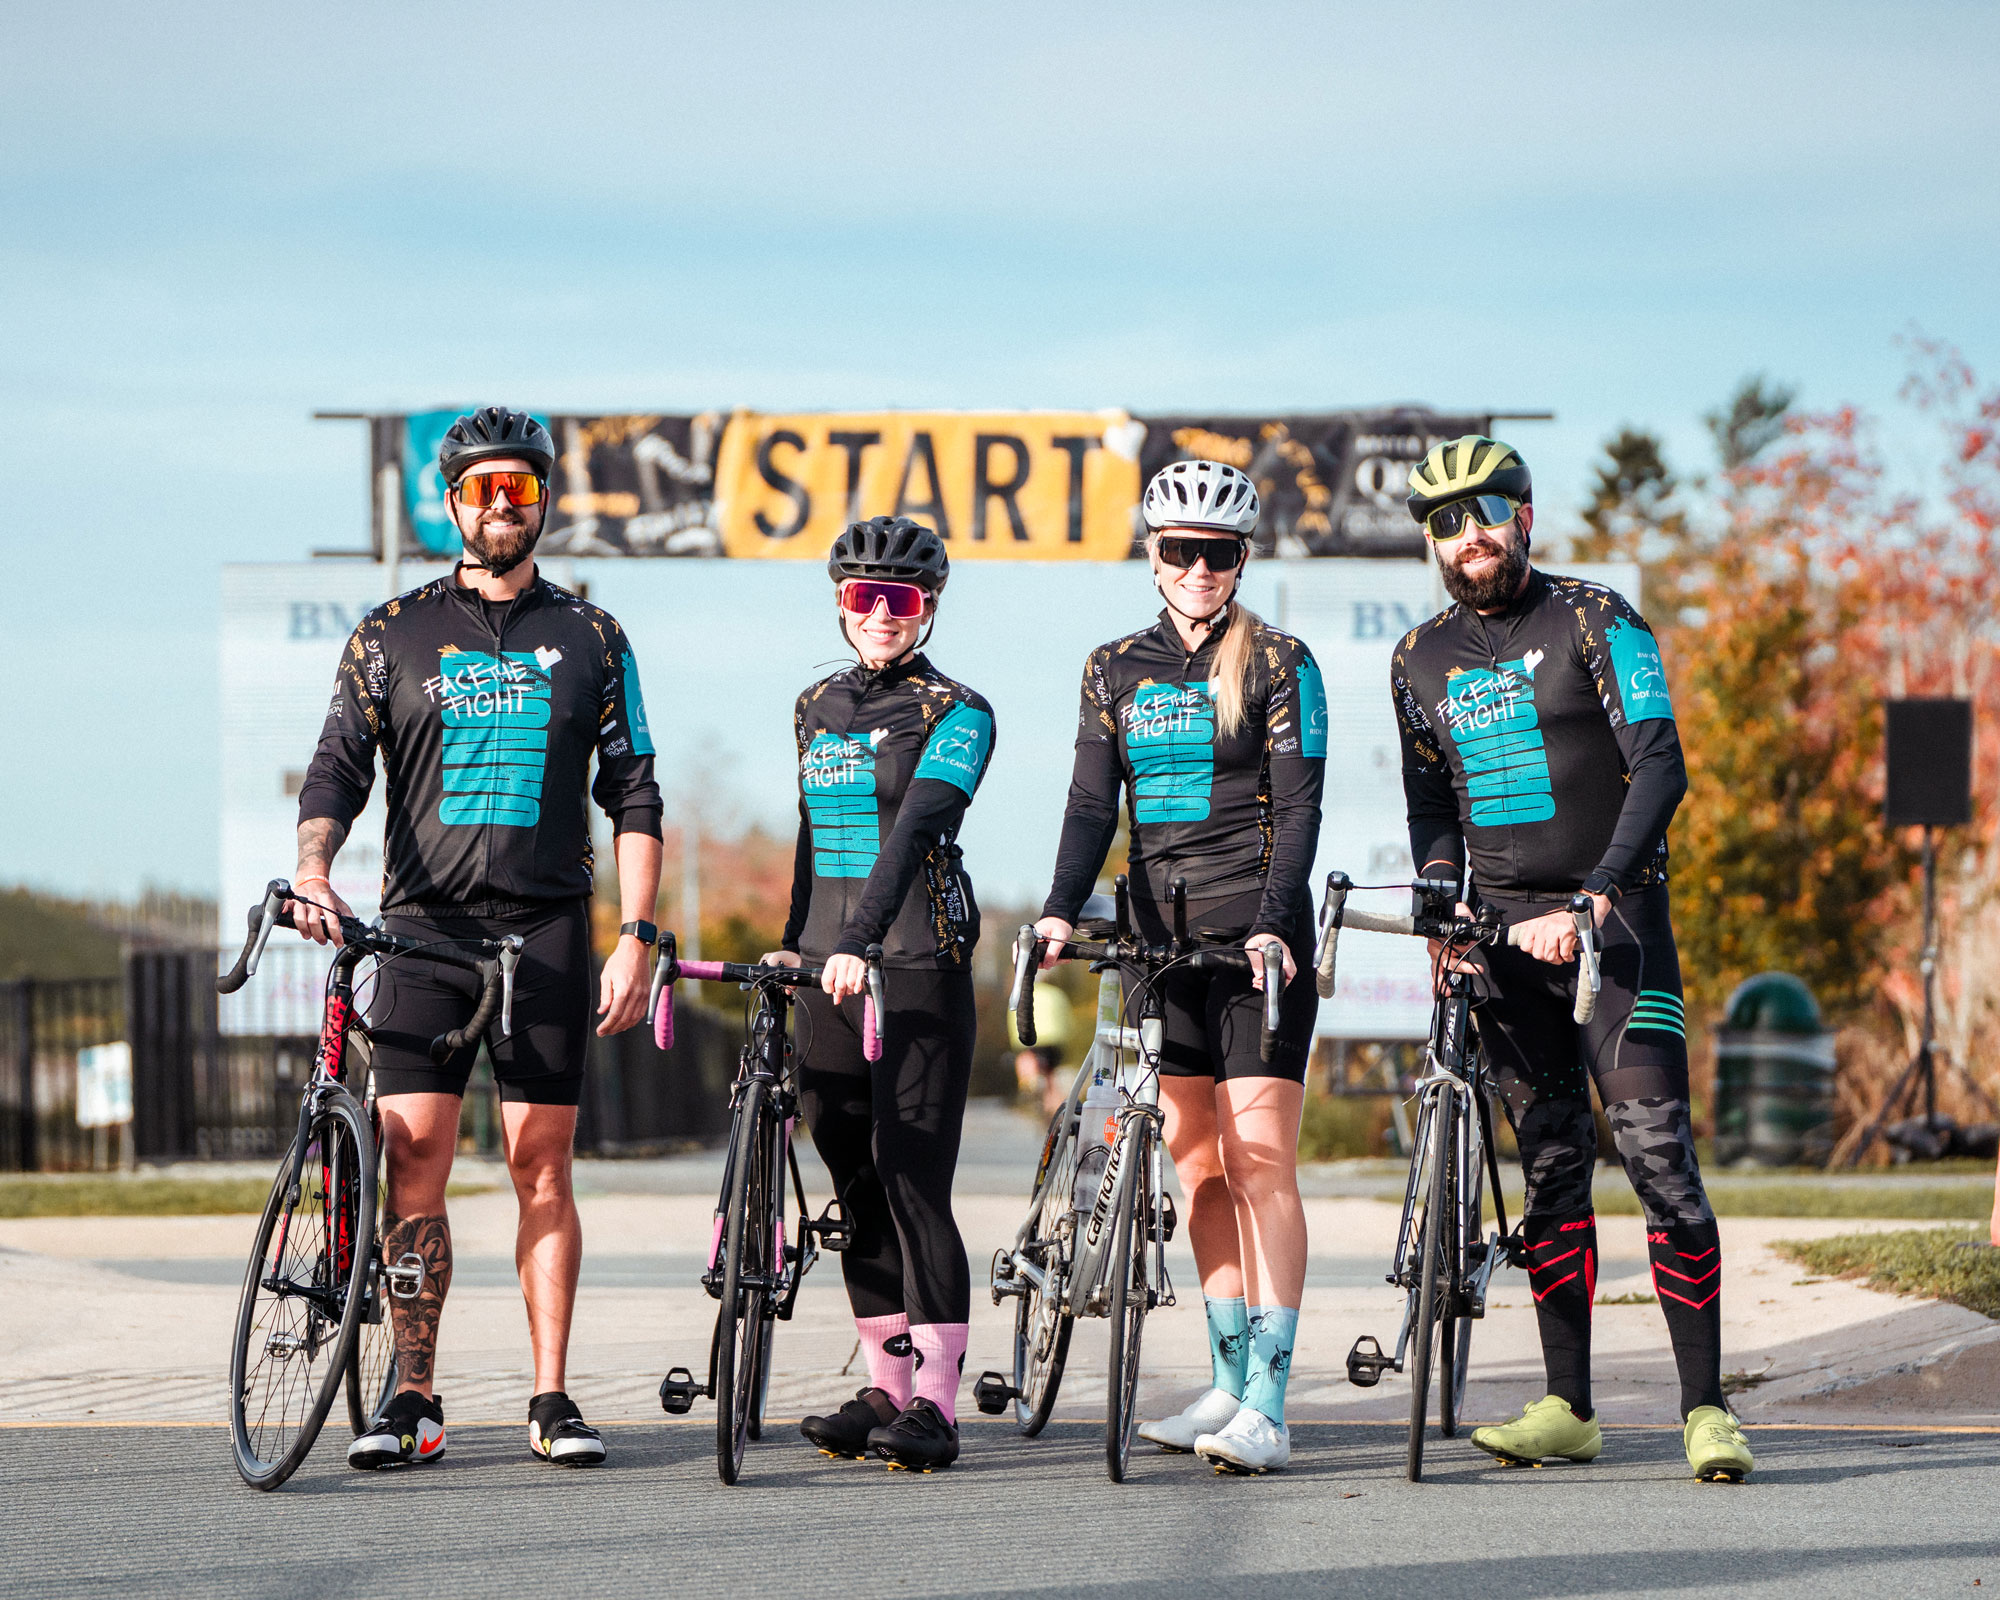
(410, 1430)
(844, 1435)
(919, 1440)
(558, 1433)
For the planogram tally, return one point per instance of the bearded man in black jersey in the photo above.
(1539, 750)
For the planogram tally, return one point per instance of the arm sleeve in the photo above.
(930, 814)
(343, 766)
(1090, 818)
(1295, 743)
(802, 885)
(1436, 834)
(1624, 658)
(625, 789)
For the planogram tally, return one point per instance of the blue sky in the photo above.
(218, 219)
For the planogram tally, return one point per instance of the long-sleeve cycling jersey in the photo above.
(1230, 814)
(486, 715)
(1539, 741)
(888, 762)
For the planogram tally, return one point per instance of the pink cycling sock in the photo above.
(885, 1341)
(940, 1361)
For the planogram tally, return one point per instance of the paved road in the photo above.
(156, 1511)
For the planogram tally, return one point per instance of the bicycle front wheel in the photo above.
(371, 1371)
(1131, 1296)
(739, 1325)
(1455, 1343)
(303, 1294)
(1433, 1286)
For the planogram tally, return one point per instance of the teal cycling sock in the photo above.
(1228, 1342)
(1272, 1331)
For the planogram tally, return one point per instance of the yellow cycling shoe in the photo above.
(1716, 1447)
(1547, 1428)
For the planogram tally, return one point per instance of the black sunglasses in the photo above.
(1182, 550)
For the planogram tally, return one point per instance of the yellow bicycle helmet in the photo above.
(1459, 468)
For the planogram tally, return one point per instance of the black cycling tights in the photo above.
(1635, 1050)
(888, 1132)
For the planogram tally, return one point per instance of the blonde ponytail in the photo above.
(1232, 668)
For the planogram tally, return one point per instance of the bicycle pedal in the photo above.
(1366, 1366)
(993, 1392)
(679, 1391)
(406, 1277)
(833, 1228)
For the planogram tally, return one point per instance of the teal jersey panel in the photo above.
(1498, 733)
(496, 737)
(1642, 678)
(1170, 742)
(635, 709)
(1312, 710)
(837, 778)
(958, 748)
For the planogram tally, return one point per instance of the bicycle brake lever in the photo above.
(1590, 978)
(1337, 886)
(510, 956)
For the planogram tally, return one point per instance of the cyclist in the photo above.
(1539, 748)
(1214, 725)
(486, 693)
(891, 753)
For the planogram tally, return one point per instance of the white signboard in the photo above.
(103, 1085)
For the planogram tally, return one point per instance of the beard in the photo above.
(501, 546)
(1496, 587)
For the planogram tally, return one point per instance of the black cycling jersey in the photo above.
(486, 717)
(888, 762)
(1229, 815)
(1540, 741)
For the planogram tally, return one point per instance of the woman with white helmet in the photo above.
(1213, 725)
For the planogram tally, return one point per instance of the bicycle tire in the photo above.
(372, 1373)
(738, 1320)
(307, 1302)
(1042, 1327)
(1129, 1299)
(774, 1230)
(1455, 1350)
(1437, 1210)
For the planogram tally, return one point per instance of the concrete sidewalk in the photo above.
(128, 1318)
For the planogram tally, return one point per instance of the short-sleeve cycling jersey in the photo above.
(1229, 814)
(486, 716)
(888, 762)
(1539, 742)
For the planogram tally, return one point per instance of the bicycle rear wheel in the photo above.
(372, 1372)
(739, 1324)
(1042, 1326)
(1131, 1295)
(302, 1294)
(1433, 1283)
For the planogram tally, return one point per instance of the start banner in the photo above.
(1022, 486)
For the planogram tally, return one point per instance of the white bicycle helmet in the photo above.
(1201, 494)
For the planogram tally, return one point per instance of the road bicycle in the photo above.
(752, 1269)
(1443, 1258)
(1094, 1241)
(314, 1314)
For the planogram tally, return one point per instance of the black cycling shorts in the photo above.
(1214, 1021)
(1633, 1048)
(416, 1000)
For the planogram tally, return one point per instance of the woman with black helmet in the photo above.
(891, 753)
(1214, 726)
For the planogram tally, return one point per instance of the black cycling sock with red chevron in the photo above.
(1687, 1276)
(1562, 1272)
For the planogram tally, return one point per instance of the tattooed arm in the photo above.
(416, 1319)
(320, 839)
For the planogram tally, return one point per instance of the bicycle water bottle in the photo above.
(1100, 1104)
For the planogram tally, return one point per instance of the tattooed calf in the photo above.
(416, 1318)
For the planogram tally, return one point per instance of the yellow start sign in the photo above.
(1023, 486)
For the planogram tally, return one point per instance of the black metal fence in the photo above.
(200, 1094)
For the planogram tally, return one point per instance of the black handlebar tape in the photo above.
(1027, 965)
(446, 1045)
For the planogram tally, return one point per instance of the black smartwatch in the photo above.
(644, 932)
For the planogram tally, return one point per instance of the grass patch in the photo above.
(1341, 1127)
(1633, 1299)
(1919, 1261)
(105, 1195)
(1916, 1202)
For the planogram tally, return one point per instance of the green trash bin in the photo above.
(1773, 1076)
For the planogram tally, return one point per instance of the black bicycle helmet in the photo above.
(894, 549)
(491, 433)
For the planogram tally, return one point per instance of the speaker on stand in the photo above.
(1929, 751)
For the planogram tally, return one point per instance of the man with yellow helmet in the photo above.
(1539, 749)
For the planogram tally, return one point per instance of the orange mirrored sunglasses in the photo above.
(478, 489)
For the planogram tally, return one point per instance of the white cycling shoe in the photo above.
(1248, 1442)
(1207, 1414)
